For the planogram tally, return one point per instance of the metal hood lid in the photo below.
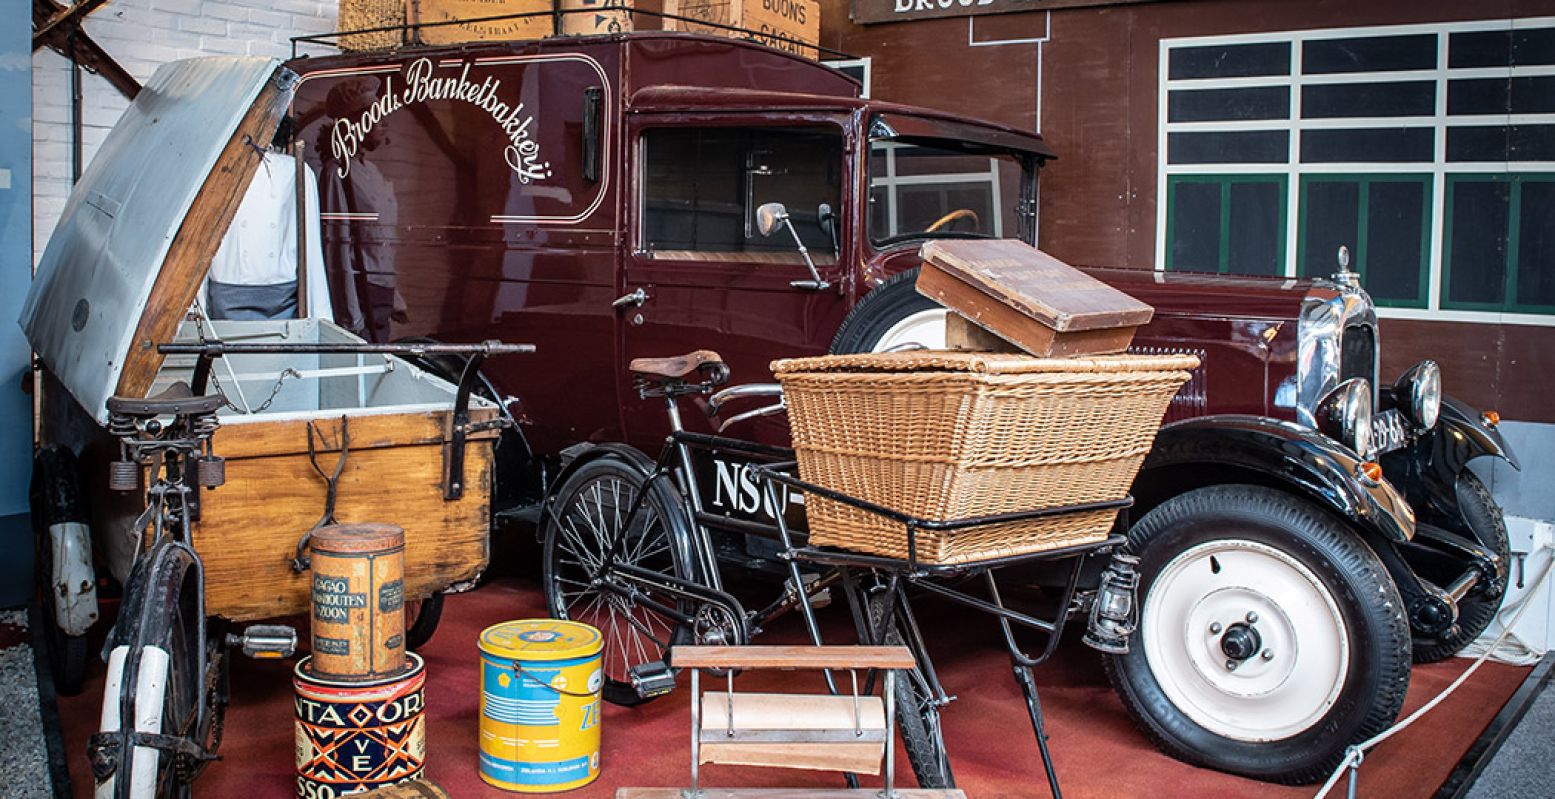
(123, 266)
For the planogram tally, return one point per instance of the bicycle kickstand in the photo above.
(1028, 687)
(1021, 663)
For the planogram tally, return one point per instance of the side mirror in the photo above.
(828, 222)
(769, 216)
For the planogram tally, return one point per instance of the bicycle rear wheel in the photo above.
(917, 708)
(166, 682)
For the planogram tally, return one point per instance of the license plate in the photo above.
(1388, 432)
(730, 489)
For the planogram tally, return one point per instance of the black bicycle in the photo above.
(167, 685)
(638, 548)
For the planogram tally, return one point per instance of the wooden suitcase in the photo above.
(1024, 296)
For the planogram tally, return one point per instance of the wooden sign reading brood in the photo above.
(870, 11)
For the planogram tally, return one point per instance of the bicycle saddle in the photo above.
(175, 400)
(673, 368)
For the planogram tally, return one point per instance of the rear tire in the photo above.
(1477, 610)
(917, 721)
(165, 612)
(421, 620)
(1270, 637)
(55, 498)
(587, 516)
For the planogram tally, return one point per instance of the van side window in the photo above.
(701, 188)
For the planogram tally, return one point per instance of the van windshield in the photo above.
(923, 189)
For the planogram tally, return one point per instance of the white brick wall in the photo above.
(142, 35)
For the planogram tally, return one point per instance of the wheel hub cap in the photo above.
(1240, 642)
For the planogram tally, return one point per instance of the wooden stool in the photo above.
(823, 732)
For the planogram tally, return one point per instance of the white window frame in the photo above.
(1438, 168)
(862, 63)
(892, 183)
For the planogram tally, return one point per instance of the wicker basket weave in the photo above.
(952, 435)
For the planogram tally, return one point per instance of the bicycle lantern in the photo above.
(1114, 612)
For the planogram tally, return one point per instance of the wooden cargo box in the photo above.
(394, 419)
(795, 19)
(428, 11)
(1028, 298)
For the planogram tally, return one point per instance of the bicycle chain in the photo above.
(189, 766)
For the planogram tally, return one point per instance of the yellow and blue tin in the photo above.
(540, 705)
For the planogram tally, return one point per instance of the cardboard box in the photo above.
(799, 20)
(535, 27)
(596, 22)
(1028, 298)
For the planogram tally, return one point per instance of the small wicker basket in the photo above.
(953, 435)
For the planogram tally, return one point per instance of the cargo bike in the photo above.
(188, 459)
(641, 549)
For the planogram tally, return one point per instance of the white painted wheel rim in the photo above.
(922, 330)
(1265, 698)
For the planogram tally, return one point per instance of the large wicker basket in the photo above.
(953, 435)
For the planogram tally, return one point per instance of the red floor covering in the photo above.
(1097, 750)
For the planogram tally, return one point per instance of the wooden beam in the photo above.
(68, 15)
(791, 657)
(788, 793)
(83, 50)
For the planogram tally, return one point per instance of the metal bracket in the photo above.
(460, 428)
(300, 559)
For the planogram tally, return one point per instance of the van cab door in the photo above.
(708, 278)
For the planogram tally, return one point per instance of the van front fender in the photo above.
(1428, 468)
(1210, 450)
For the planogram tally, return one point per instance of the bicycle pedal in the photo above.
(265, 641)
(652, 679)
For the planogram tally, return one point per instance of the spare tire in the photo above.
(892, 316)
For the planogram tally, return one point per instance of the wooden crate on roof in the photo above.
(460, 13)
(362, 14)
(761, 20)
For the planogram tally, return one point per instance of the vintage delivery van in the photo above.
(1306, 525)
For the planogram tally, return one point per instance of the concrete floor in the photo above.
(24, 767)
(1522, 766)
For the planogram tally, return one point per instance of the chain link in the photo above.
(199, 327)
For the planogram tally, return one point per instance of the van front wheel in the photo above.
(1270, 637)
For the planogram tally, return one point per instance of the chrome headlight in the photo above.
(1345, 414)
(1419, 393)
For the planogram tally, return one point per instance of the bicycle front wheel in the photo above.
(164, 680)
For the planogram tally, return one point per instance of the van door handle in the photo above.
(635, 300)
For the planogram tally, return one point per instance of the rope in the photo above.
(1355, 754)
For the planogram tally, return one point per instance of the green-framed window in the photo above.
(1498, 242)
(1385, 220)
(1226, 223)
